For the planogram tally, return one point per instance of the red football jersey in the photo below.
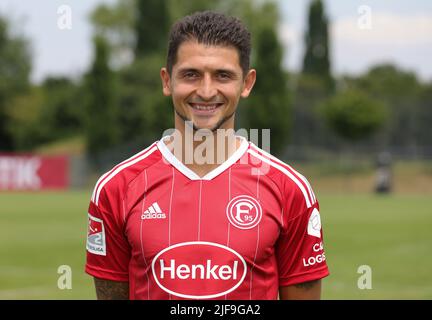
(246, 228)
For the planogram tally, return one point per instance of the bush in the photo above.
(353, 115)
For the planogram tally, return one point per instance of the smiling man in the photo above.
(172, 223)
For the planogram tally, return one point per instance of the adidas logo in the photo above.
(153, 212)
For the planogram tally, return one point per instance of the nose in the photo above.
(207, 89)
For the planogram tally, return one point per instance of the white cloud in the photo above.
(292, 41)
(386, 29)
(399, 39)
(402, 40)
(288, 34)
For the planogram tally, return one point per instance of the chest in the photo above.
(236, 212)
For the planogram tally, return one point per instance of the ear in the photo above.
(248, 83)
(166, 82)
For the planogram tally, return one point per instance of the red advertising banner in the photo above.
(30, 172)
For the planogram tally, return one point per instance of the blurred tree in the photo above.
(45, 113)
(269, 104)
(102, 114)
(314, 84)
(116, 23)
(353, 115)
(24, 119)
(145, 111)
(181, 8)
(308, 128)
(316, 60)
(61, 111)
(15, 66)
(424, 117)
(401, 91)
(150, 40)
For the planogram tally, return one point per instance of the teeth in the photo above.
(198, 107)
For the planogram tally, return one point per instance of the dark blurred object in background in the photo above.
(383, 182)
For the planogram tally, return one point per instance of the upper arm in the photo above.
(111, 290)
(108, 249)
(299, 250)
(310, 290)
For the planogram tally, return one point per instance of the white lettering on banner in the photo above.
(19, 173)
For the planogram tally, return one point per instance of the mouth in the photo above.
(205, 108)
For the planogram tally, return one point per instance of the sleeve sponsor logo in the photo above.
(318, 248)
(314, 225)
(198, 270)
(244, 212)
(96, 243)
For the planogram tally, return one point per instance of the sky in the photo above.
(363, 33)
(399, 31)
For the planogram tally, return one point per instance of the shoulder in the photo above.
(291, 182)
(123, 173)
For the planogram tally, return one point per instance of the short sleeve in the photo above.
(299, 249)
(108, 251)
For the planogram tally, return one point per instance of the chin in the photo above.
(198, 126)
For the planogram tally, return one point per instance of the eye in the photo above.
(224, 76)
(190, 75)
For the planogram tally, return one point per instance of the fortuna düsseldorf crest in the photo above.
(244, 212)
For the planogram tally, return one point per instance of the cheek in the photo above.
(182, 91)
(232, 94)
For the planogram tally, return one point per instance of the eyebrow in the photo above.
(185, 70)
(228, 71)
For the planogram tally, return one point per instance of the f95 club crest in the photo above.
(244, 212)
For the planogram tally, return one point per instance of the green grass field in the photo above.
(392, 234)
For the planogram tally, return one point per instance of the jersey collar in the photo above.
(176, 163)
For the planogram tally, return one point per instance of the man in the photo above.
(165, 224)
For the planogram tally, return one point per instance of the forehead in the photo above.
(192, 54)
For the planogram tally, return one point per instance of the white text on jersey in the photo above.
(207, 271)
(153, 212)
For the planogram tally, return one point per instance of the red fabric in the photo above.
(238, 235)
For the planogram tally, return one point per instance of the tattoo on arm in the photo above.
(306, 285)
(310, 290)
(111, 290)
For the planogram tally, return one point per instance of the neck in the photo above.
(203, 150)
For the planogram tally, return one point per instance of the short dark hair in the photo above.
(210, 28)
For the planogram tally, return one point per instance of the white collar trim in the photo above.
(176, 163)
